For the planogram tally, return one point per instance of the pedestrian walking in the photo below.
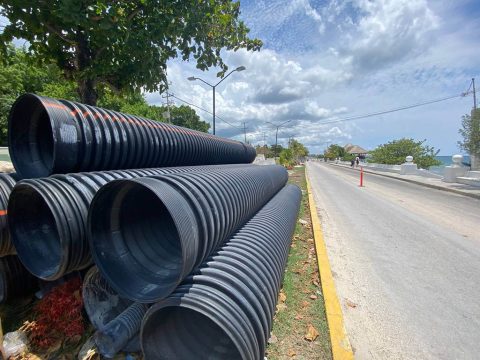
(352, 163)
(357, 160)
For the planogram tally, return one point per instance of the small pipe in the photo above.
(118, 332)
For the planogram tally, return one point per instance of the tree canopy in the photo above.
(20, 73)
(395, 152)
(125, 45)
(470, 132)
(335, 151)
(293, 154)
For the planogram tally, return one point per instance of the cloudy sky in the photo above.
(328, 60)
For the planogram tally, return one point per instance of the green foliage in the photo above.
(470, 132)
(125, 45)
(334, 151)
(19, 74)
(395, 152)
(298, 149)
(272, 152)
(286, 157)
(187, 117)
(293, 155)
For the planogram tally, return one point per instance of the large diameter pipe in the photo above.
(224, 310)
(48, 217)
(7, 182)
(146, 235)
(49, 136)
(15, 280)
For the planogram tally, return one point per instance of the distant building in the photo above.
(356, 150)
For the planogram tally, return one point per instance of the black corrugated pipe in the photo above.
(15, 280)
(47, 217)
(146, 235)
(224, 310)
(7, 182)
(49, 136)
(117, 320)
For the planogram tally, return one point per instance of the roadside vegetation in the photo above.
(470, 132)
(300, 329)
(395, 152)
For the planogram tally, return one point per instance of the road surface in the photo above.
(406, 264)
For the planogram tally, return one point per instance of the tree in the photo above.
(395, 152)
(470, 132)
(20, 74)
(291, 156)
(187, 117)
(298, 150)
(125, 45)
(272, 152)
(335, 151)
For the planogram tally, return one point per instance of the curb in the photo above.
(432, 186)
(341, 348)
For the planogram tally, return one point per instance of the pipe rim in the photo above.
(35, 205)
(108, 207)
(28, 109)
(184, 303)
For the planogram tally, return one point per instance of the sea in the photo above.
(446, 161)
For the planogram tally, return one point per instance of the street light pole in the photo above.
(193, 78)
(276, 135)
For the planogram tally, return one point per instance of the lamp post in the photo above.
(193, 78)
(276, 135)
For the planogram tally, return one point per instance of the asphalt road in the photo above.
(406, 264)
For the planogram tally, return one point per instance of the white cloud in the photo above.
(344, 58)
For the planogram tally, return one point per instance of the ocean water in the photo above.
(446, 161)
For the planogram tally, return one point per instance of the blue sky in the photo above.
(331, 59)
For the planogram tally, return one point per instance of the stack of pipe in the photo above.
(209, 228)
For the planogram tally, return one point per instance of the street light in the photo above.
(193, 78)
(276, 134)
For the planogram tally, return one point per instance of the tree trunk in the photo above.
(87, 92)
(86, 87)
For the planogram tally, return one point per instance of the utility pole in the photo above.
(474, 95)
(264, 143)
(167, 96)
(245, 132)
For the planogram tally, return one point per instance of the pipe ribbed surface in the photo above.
(48, 217)
(15, 280)
(49, 136)
(224, 310)
(7, 182)
(146, 235)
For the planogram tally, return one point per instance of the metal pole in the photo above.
(276, 139)
(474, 95)
(245, 132)
(213, 87)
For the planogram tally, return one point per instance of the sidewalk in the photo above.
(438, 184)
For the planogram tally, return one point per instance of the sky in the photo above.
(328, 60)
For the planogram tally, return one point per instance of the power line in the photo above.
(396, 109)
(207, 111)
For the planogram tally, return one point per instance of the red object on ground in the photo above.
(361, 176)
(59, 315)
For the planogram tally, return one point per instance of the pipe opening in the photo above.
(131, 228)
(34, 232)
(31, 138)
(176, 332)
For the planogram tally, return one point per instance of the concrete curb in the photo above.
(432, 186)
(341, 348)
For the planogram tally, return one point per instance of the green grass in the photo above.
(300, 283)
